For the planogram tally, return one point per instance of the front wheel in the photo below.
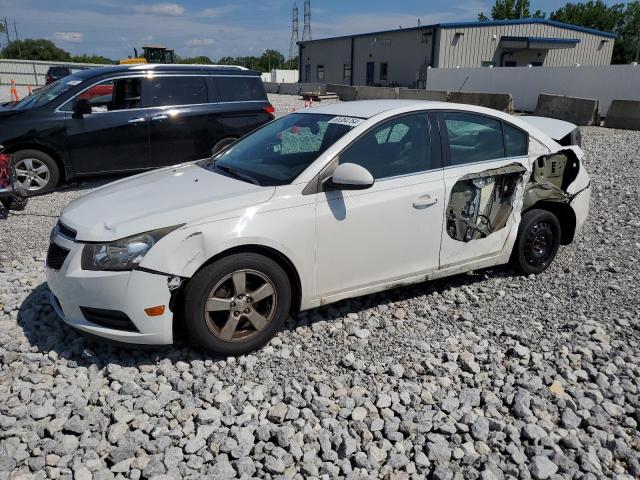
(237, 304)
(537, 242)
(36, 172)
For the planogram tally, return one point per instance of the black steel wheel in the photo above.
(537, 242)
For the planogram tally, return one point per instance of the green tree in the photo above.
(621, 19)
(591, 15)
(511, 10)
(35, 49)
(84, 58)
(199, 60)
(270, 59)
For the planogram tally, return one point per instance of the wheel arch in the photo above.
(565, 215)
(275, 255)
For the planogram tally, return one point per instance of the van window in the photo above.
(239, 89)
(175, 90)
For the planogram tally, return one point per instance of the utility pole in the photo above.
(15, 29)
(6, 31)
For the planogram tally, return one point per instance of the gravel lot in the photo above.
(485, 375)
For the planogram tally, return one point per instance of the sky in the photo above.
(217, 28)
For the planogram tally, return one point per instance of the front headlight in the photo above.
(122, 254)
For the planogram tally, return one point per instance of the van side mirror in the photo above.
(81, 107)
(349, 176)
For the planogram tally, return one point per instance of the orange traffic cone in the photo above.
(14, 92)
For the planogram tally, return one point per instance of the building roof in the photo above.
(490, 23)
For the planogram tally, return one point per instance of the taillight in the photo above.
(4, 170)
(270, 109)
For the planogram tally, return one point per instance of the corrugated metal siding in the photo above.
(477, 45)
(28, 72)
(333, 54)
(405, 53)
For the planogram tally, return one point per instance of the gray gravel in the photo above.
(485, 375)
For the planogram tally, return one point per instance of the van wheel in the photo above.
(36, 172)
(537, 242)
(237, 304)
(222, 144)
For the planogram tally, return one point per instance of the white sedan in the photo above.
(324, 204)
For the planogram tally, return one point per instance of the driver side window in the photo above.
(112, 95)
(400, 146)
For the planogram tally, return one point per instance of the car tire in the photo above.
(537, 242)
(236, 304)
(36, 172)
(222, 144)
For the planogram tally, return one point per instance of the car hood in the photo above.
(171, 196)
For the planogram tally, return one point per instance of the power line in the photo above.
(15, 29)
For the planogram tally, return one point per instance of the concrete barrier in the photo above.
(377, 93)
(345, 92)
(624, 114)
(313, 88)
(580, 111)
(272, 87)
(433, 95)
(497, 101)
(289, 89)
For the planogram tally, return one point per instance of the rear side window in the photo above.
(515, 141)
(473, 138)
(239, 89)
(171, 91)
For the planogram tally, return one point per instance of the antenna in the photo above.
(293, 48)
(306, 33)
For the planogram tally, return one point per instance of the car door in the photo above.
(115, 135)
(393, 229)
(183, 118)
(486, 168)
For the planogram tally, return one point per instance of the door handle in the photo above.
(160, 117)
(424, 202)
(137, 120)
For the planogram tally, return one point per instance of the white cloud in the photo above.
(217, 11)
(198, 42)
(170, 9)
(69, 36)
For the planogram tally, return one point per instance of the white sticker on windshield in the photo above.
(73, 83)
(349, 121)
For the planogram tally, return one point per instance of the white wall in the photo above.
(605, 83)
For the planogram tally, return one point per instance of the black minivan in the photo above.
(129, 118)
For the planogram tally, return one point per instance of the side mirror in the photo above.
(81, 108)
(350, 176)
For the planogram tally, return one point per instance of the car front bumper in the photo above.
(127, 293)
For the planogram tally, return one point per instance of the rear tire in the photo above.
(36, 172)
(237, 304)
(537, 242)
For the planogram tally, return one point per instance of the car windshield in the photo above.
(281, 150)
(48, 93)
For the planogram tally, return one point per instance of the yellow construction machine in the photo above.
(151, 54)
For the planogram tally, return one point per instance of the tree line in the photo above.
(43, 49)
(623, 19)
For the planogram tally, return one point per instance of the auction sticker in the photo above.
(349, 121)
(73, 83)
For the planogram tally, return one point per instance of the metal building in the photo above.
(402, 57)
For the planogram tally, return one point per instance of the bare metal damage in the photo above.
(481, 203)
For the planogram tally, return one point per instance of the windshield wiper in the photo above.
(235, 173)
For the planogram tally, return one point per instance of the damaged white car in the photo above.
(324, 204)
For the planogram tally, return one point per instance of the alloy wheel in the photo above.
(240, 306)
(32, 174)
(538, 245)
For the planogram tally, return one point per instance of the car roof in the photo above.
(173, 68)
(371, 108)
